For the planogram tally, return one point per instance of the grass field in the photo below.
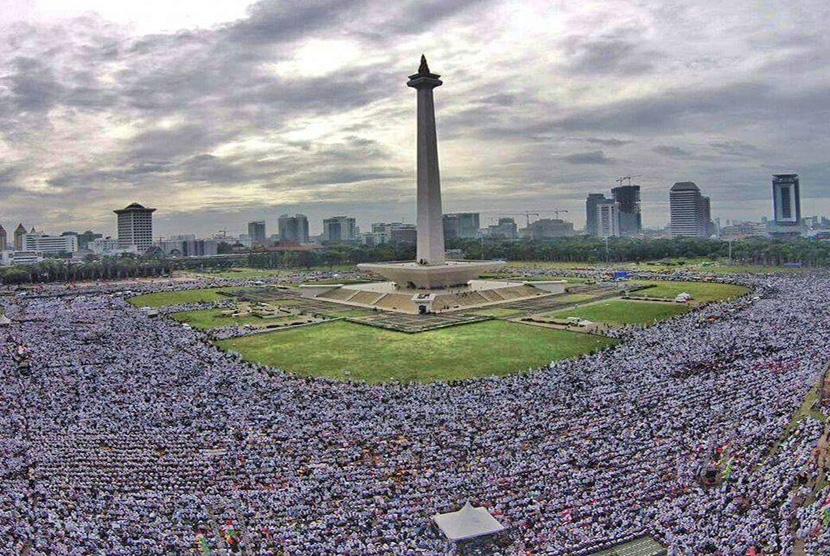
(375, 355)
(166, 299)
(213, 318)
(702, 292)
(497, 312)
(617, 311)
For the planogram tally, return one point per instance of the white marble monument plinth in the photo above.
(430, 277)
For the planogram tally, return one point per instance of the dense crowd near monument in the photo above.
(131, 435)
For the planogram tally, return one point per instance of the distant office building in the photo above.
(689, 211)
(786, 204)
(505, 229)
(591, 212)
(709, 228)
(109, 247)
(19, 232)
(628, 201)
(340, 228)
(608, 218)
(50, 245)
(740, 230)
(245, 240)
(135, 226)
(103, 245)
(408, 233)
(85, 238)
(3, 239)
(548, 228)
(19, 258)
(392, 232)
(256, 231)
(293, 229)
(189, 247)
(461, 225)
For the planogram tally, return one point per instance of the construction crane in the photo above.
(527, 214)
(621, 179)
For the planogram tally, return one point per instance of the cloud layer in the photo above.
(301, 106)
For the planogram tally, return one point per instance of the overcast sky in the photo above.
(221, 112)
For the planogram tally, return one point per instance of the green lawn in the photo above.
(702, 292)
(617, 311)
(375, 355)
(213, 318)
(165, 299)
(497, 312)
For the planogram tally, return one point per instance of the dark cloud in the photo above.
(279, 21)
(591, 157)
(671, 151)
(735, 148)
(610, 142)
(232, 118)
(617, 52)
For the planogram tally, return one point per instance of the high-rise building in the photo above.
(19, 232)
(86, 238)
(706, 217)
(50, 245)
(608, 218)
(548, 228)
(505, 229)
(135, 226)
(340, 228)
(628, 201)
(3, 239)
(690, 211)
(293, 229)
(463, 225)
(256, 231)
(591, 212)
(189, 247)
(405, 233)
(786, 201)
(393, 232)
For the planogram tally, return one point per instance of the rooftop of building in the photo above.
(134, 207)
(685, 186)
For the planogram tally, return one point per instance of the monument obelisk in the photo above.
(430, 214)
(430, 270)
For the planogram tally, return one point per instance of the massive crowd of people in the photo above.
(131, 435)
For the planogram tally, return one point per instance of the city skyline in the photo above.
(295, 107)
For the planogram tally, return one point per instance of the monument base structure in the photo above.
(391, 296)
(413, 275)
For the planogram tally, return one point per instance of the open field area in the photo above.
(183, 297)
(375, 355)
(702, 292)
(497, 312)
(621, 312)
(213, 318)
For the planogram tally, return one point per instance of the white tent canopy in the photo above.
(4, 320)
(467, 523)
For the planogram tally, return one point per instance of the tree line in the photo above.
(753, 251)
